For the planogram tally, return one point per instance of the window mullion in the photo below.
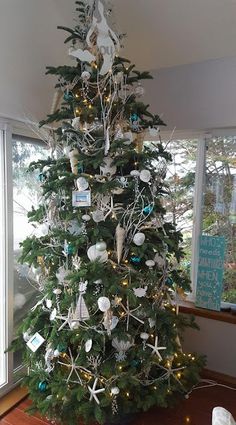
(197, 211)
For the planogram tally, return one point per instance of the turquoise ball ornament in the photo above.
(135, 363)
(148, 209)
(169, 281)
(136, 260)
(42, 386)
(68, 95)
(41, 177)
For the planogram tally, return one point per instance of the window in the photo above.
(26, 193)
(19, 191)
(219, 204)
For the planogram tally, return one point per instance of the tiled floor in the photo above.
(194, 411)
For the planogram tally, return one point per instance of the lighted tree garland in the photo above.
(104, 337)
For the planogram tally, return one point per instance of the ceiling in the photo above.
(160, 33)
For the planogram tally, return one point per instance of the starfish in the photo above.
(68, 320)
(73, 367)
(171, 372)
(155, 348)
(129, 313)
(94, 392)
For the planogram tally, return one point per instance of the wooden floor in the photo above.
(194, 411)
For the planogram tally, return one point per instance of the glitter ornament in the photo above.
(145, 176)
(115, 391)
(86, 217)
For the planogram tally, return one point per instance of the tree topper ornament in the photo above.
(107, 42)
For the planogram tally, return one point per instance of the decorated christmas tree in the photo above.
(104, 338)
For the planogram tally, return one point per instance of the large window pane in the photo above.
(181, 181)
(219, 207)
(26, 193)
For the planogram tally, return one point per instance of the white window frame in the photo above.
(7, 288)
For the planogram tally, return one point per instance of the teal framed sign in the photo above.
(210, 272)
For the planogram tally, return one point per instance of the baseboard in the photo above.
(8, 401)
(219, 377)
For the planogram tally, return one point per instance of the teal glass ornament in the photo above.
(80, 167)
(169, 281)
(135, 363)
(68, 96)
(148, 209)
(41, 177)
(135, 260)
(42, 386)
(69, 249)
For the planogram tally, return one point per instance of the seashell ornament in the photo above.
(139, 239)
(122, 346)
(86, 217)
(135, 173)
(104, 304)
(88, 345)
(73, 155)
(150, 263)
(82, 184)
(145, 176)
(108, 169)
(94, 254)
(98, 216)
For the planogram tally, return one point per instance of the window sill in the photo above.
(222, 316)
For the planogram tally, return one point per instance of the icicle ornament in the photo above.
(120, 239)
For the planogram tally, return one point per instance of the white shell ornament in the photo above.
(94, 254)
(86, 217)
(135, 173)
(98, 216)
(108, 168)
(145, 176)
(144, 336)
(82, 184)
(88, 345)
(150, 263)
(140, 292)
(85, 76)
(139, 239)
(104, 304)
(76, 123)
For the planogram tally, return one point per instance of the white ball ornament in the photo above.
(85, 76)
(139, 239)
(150, 263)
(74, 325)
(101, 246)
(115, 391)
(145, 176)
(82, 184)
(104, 304)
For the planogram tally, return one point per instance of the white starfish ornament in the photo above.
(94, 392)
(155, 348)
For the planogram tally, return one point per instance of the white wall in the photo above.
(198, 96)
(217, 340)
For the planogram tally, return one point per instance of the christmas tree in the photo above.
(104, 337)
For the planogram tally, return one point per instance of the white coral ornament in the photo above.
(94, 254)
(122, 346)
(73, 155)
